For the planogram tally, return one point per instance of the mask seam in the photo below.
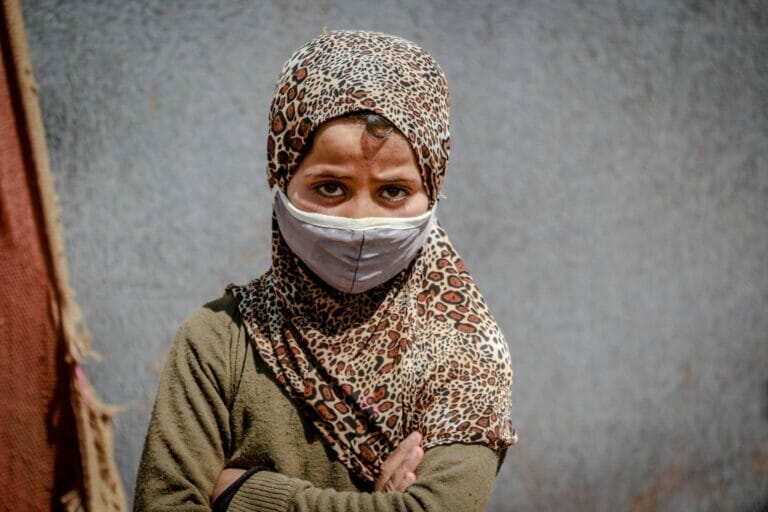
(357, 263)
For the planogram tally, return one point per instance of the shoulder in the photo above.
(213, 334)
(219, 317)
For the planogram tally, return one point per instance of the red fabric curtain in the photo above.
(38, 440)
(55, 436)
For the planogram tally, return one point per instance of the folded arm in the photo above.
(451, 477)
(189, 440)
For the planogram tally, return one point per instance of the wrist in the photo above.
(222, 501)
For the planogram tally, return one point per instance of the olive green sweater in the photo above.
(219, 406)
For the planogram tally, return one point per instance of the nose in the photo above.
(362, 204)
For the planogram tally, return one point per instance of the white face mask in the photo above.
(351, 255)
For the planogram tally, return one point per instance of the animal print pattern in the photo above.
(420, 352)
(342, 72)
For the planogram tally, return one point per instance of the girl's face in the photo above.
(350, 173)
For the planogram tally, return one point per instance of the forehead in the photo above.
(346, 144)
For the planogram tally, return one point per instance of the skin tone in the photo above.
(350, 173)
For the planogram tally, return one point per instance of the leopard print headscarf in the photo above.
(420, 352)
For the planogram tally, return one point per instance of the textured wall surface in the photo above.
(608, 189)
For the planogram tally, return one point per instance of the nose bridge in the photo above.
(363, 204)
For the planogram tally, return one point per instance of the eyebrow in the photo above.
(398, 180)
(348, 177)
(329, 174)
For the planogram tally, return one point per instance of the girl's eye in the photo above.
(394, 193)
(332, 190)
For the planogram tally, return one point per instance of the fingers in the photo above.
(405, 474)
(400, 481)
(396, 460)
(413, 451)
(399, 470)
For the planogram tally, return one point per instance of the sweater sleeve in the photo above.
(450, 477)
(189, 432)
(189, 439)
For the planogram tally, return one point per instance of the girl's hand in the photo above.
(227, 477)
(399, 470)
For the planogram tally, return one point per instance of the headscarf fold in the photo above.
(420, 352)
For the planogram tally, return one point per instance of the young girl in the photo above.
(363, 371)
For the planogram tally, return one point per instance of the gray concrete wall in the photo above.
(608, 188)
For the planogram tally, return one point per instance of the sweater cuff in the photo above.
(266, 491)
